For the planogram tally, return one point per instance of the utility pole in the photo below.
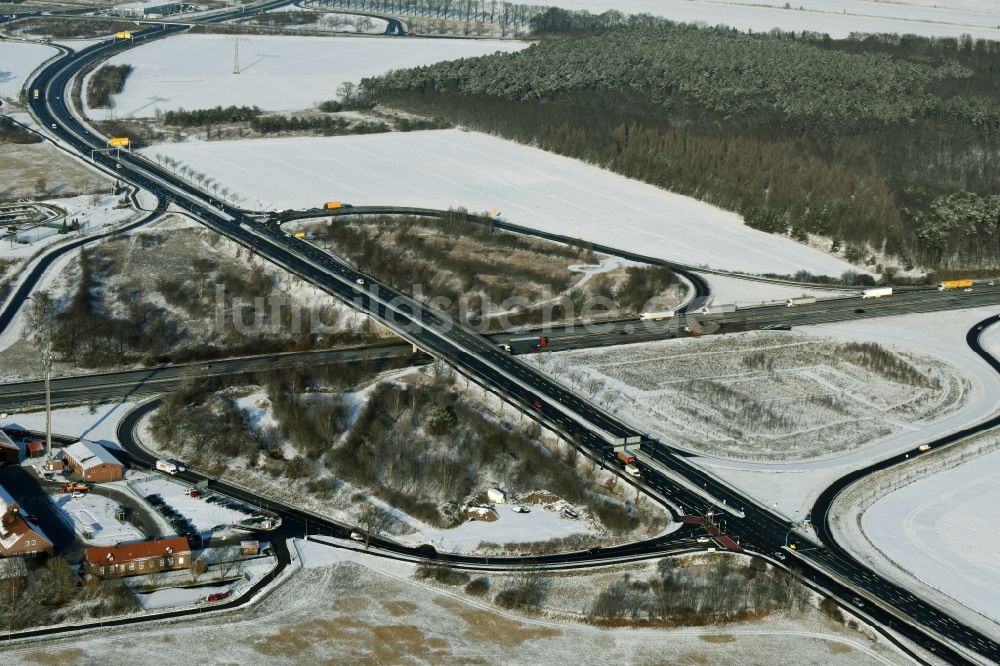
(48, 403)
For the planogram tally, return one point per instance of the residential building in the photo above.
(140, 557)
(92, 462)
(19, 535)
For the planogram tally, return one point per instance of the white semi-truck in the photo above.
(656, 316)
(718, 309)
(166, 466)
(801, 300)
(877, 292)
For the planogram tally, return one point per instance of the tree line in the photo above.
(107, 81)
(802, 134)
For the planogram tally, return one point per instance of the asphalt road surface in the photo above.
(481, 361)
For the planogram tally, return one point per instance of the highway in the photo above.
(134, 384)
(480, 360)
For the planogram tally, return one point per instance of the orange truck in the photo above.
(74, 487)
(954, 284)
(335, 205)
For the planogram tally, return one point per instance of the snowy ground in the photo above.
(451, 168)
(793, 487)
(203, 515)
(17, 61)
(95, 514)
(276, 73)
(748, 292)
(93, 211)
(541, 524)
(176, 597)
(942, 529)
(761, 396)
(838, 18)
(352, 608)
(78, 422)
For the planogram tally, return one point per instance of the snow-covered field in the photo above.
(451, 168)
(17, 61)
(762, 396)
(838, 18)
(94, 520)
(795, 486)
(276, 73)
(354, 608)
(942, 529)
(748, 292)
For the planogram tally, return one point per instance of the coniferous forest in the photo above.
(882, 143)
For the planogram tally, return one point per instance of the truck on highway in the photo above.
(877, 292)
(335, 205)
(118, 142)
(166, 466)
(625, 457)
(518, 345)
(954, 284)
(123, 34)
(656, 316)
(35, 93)
(633, 471)
(801, 300)
(924, 448)
(717, 309)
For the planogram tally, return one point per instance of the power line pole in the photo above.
(236, 54)
(48, 404)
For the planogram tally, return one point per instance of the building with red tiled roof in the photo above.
(18, 535)
(140, 557)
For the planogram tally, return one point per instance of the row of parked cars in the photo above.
(173, 516)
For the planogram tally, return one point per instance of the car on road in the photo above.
(703, 539)
(360, 281)
(54, 126)
(357, 536)
(857, 602)
(218, 596)
(859, 311)
(780, 555)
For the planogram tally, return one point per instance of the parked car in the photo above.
(520, 509)
(192, 492)
(76, 494)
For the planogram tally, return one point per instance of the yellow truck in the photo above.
(123, 34)
(300, 234)
(954, 284)
(118, 142)
(334, 205)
